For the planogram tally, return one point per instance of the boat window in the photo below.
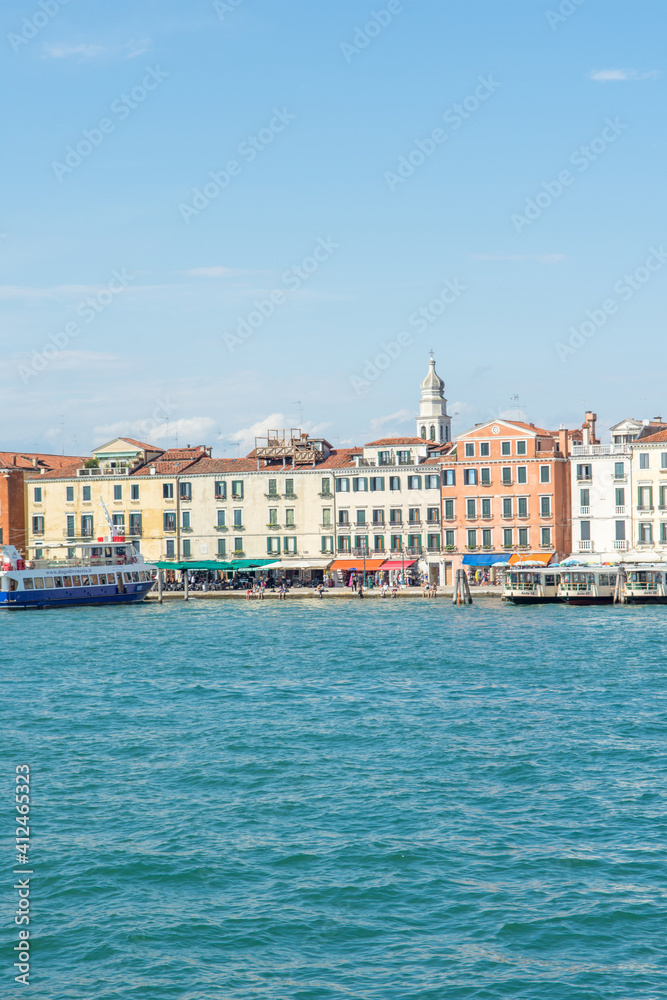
(68, 581)
(39, 583)
(135, 577)
(658, 577)
(85, 581)
(549, 579)
(76, 581)
(93, 581)
(612, 579)
(128, 578)
(13, 584)
(57, 581)
(103, 578)
(27, 583)
(604, 580)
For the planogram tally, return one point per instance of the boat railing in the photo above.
(81, 563)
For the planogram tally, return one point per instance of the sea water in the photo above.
(337, 799)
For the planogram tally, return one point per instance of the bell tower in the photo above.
(433, 423)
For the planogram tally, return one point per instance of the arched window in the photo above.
(423, 432)
(432, 433)
(442, 433)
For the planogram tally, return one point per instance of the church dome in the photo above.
(433, 382)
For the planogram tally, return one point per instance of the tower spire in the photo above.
(433, 423)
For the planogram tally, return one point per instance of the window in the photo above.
(619, 470)
(449, 477)
(326, 517)
(273, 487)
(522, 474)
(238, 546)
(377, 484)
(486, 538)
(545, 506)
(506, 476)
(86, 525)
(361, 517)
(663, 532)
(431, 482)
(384, 458)
(378, 517)
(185, 491)
(663, 497)
(403, 457)
(168, 491)
(326, 487)
(289, 517)
(485, 449)
(38, 525)
(170, 548)
(545, 474)
(344, 543)
(620, 531)
(663, 459)
(186, 547)
(134, 491)
(414, 516)
(289, 487)
(118, 521)
(237, 489)
(135, 524)
(449, 539)
(360, 484)
(471, 508)
(221, 518)
(361, 542)
(414, 482)
(238, 518)
(273, 545)
(486, 507)
(396, 543)
(620, 497)
(169, 520)
(220, 490)
(414, 544)
(38, 494)
(395, 516)
(449, 510)
(222, 546)
(584, 472)
(645, 532)
(523, 537)
(507, 538)
(645, 496)
(470, 477)
(522, 506)
(117, 492)
(327, 543)
(378, 543)
(273, 516)
(486, 477)
(472, 538)
(69, 493)
(433, 515)
(185, 520)
(585, 531)
(521, 448)
(71, 526)
(545, 537)
(505, 447)
(470, 450)
(643, 460)
(585, 498)
(507, 506)
(342, 485)
(343, 517)
(394, 482)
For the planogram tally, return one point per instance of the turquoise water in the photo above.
(339, 800)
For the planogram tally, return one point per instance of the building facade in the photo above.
(649, 495)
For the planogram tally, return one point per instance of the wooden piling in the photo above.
(159, 586)
(186, 583)
(462, 593)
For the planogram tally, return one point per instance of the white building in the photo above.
(649, 494)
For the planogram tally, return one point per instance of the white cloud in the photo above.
(540, 258)
(63, 51)
(245, 437)
(400, 417)
(187, 430)
(615, 75)
(137, 47)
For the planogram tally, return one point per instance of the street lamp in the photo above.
(363, 553)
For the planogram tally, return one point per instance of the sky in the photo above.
(222, 216)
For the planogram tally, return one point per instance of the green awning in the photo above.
(215, 564)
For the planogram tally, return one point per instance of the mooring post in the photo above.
(159, 586)
(186, 583)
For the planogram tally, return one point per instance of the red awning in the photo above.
(527, 558)
(397, 563)
(371, 564)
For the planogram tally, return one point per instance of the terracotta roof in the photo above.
(529, 427)
(224, 466)
(654, 438)
(651, 429)
(396, 440)
(24, 460)
(66, 472)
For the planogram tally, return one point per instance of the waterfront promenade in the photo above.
(306, 593)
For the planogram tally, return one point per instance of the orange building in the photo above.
(506, 490)
(15, 467)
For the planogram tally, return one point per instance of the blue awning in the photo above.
(485, 558)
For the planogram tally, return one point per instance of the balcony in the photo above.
(584, 511)
(581, 450)
(290, 496)
(585, 546)
(621, 544)
(270, 496)
(619, 510)
(433, 549)
(621, 479)
(645, 510)
(584, 477)
(238, 554)
(220, 527)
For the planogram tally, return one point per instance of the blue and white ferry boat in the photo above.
(106, 571)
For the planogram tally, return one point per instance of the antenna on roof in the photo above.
(297, 402)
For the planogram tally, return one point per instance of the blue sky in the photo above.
(212, 313)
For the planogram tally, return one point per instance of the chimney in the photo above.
(152, 471)
(564, 441)
(590, 424)
(657, 420)
(35, 462)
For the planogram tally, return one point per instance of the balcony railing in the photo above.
(584, 511)
(620, 543)
(619, 510)
(581, 450)
(585, 546)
